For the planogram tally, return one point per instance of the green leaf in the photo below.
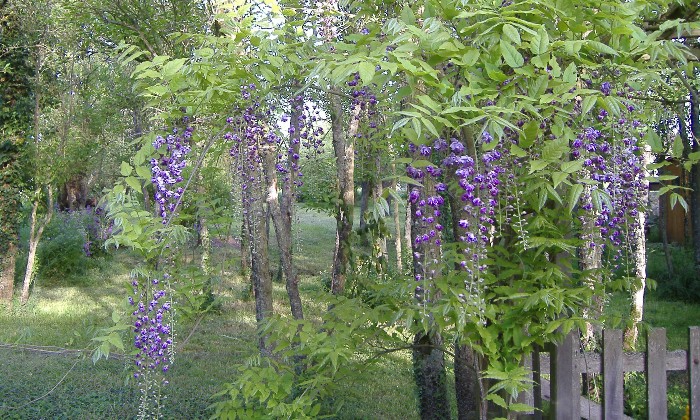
(529, 134)
(540, 42)
(366, 71)
(588, 104)
(520, 407)
(133, 183)
(498, 400)
(570, 74)
(537, 165)
(512, 33)
(511, 55)
(677, 148)
(571, 166)
(407, 15)
(516, 151)
(574, 195)
(600, 47)
(471, 57)
(654, 141)
(125, 169)
(558, 178)
(143, 172)
(172, 67)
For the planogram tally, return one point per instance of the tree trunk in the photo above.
(590, 263)
(255, 216)
(282, 219)
(7, 274)
(34, 238)
(397, 225)
(466, 382)
(377, 192)
(364, 204)
(640, 262)
(695, 179)
(429, 373)
(344, 149)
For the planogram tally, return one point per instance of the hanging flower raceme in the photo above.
(167, 169)
(480, 189)
(611, 156)
(152, 328)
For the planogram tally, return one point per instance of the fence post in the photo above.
(694, 371)
(566, 380)
(656, 373)
(613, 374)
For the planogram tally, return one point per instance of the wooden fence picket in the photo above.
(565, 362)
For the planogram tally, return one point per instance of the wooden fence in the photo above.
(566, 363)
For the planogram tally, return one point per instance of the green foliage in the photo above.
(684, 284)
(319, 190)
(64, 255)
(11, 180)
(309, 362)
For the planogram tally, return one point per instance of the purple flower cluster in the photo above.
(152, 328)
(167, 169)
(480, 184)
(367, 102)
(618, 168)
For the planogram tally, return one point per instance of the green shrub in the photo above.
(684, 284)
(71, 245)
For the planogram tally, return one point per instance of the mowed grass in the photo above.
(45, 346)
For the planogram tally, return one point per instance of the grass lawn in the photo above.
(47, 371)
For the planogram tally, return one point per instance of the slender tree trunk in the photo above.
(640, 263)
(364, 204)
(282, 219)
(205, 244)
(34, 238)
(397, 225)
(590, 262)
(344, 148)
(7, 273)
(377, 192)
(255, 216)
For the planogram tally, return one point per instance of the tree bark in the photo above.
(364, 204)
(590, 263)
(255, 216)
(695, 178)
(640, 263)
(377, 192)
(282, 219)
(344, 149)
(34, 238)
(7, 273)
(397, 225)
(429, 373)
(466, 382)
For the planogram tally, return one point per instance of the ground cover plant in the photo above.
(481, 171)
